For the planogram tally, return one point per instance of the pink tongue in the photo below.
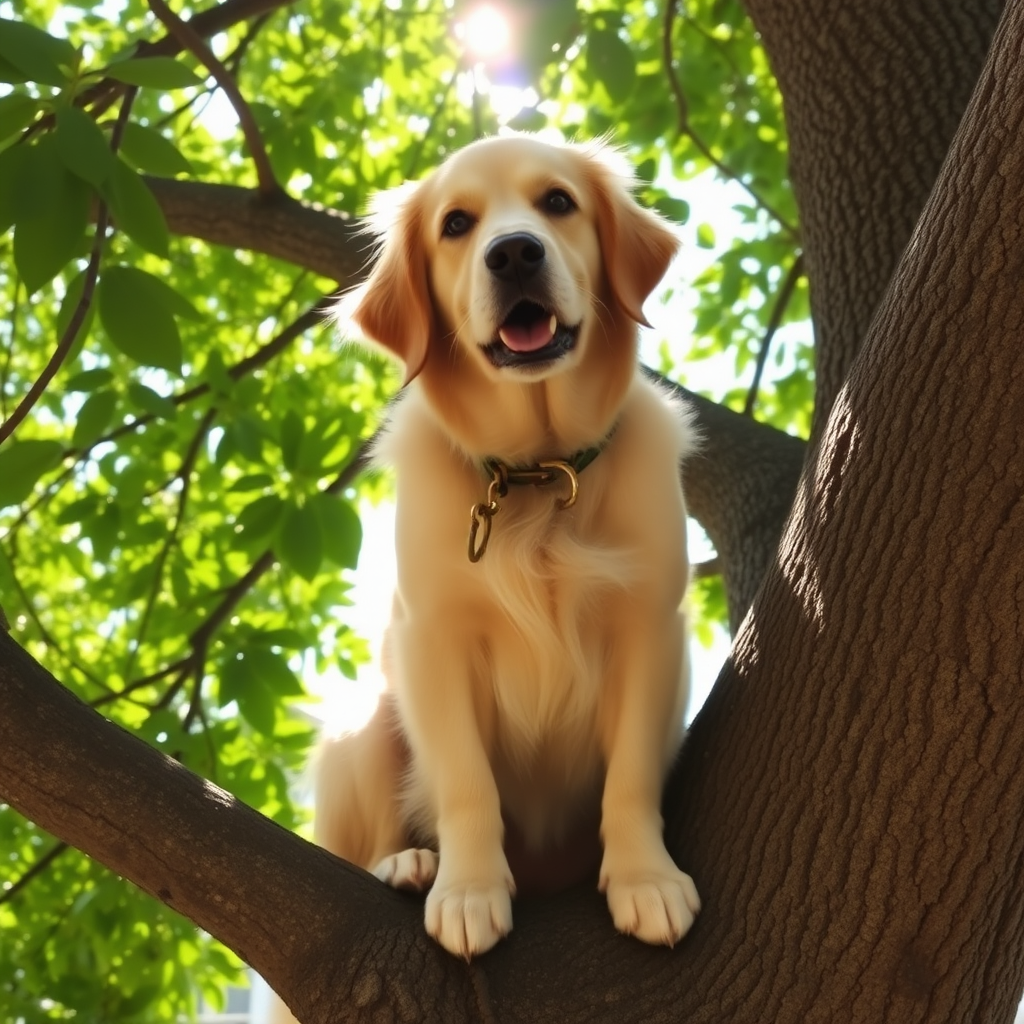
(529, 337)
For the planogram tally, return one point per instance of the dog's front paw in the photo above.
(468, 919)
(411, 869)
(657, 904)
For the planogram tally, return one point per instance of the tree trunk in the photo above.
(873, 92)
(849, 801)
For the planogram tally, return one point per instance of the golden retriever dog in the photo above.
(536, 654)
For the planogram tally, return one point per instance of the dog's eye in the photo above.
(558, 202)
(457, 223)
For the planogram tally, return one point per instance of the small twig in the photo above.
(180, 666)
(85, 300)
(218, 18)
(478, 127)
(704, 570)
(413, 166)
(5, 374)
(313, 316)
(685, 128)
(778, 311)
(194, 663)
(184, 474)
(194, 42)
(37, 869)
(44, 633)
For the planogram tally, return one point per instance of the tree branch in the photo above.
(778, 311)
(685, 128)
(325, 241)
(740, 488)
(191, 40)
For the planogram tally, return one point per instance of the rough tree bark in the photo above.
(873, 91)
(849, 800)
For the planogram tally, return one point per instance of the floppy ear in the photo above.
(636, 244)
(393, 307)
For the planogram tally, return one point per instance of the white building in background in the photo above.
(244, 1005)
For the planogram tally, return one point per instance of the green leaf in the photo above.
(135, 211)
(273, 671)
(103, 532)
(22, 463)
(252, 482)
(154, 73)
(17, 111)
(146, 398)
(89, 380)
(291, 639)
(340, 528)
(136, 320)
(260, 517)
(82, 146)
(215, 374)
(612, 61)
(78, 510)
(94, 417)
(36, 54)
(299, 544)
(68, 305)
(705, 236)
(292, 431)
(51, 218)
(10, 74)
(239, 683)
(150, 151)
(11, 199)
(675, 209)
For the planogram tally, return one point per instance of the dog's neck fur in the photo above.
(520, 422)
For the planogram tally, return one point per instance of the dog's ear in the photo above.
(393, 307)
(637, 246)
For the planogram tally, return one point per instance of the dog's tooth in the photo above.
(553, 324)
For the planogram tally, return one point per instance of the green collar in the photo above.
(502, 476)
(578, 461)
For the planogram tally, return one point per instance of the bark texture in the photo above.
(322, 240)
(849, 801)
(740, 487)
(873, 92)
(874, 699)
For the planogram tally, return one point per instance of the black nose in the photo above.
(514, 257)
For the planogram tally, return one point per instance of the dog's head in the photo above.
(515, 262)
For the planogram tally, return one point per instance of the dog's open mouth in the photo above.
(529, 335)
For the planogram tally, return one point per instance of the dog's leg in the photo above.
(648, 896)
(357, 812)
(469, 907)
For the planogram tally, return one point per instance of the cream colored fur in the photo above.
(548, 681)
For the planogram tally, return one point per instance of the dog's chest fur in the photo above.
(544, 651)
(541, 612)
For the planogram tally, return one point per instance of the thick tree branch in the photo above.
(863, 155)
(848, 799)
(740, 487)
(322, 240)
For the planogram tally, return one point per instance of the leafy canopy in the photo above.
(178, 517)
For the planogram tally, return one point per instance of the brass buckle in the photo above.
(483, 512)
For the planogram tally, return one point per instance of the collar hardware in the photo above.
(542, 474)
